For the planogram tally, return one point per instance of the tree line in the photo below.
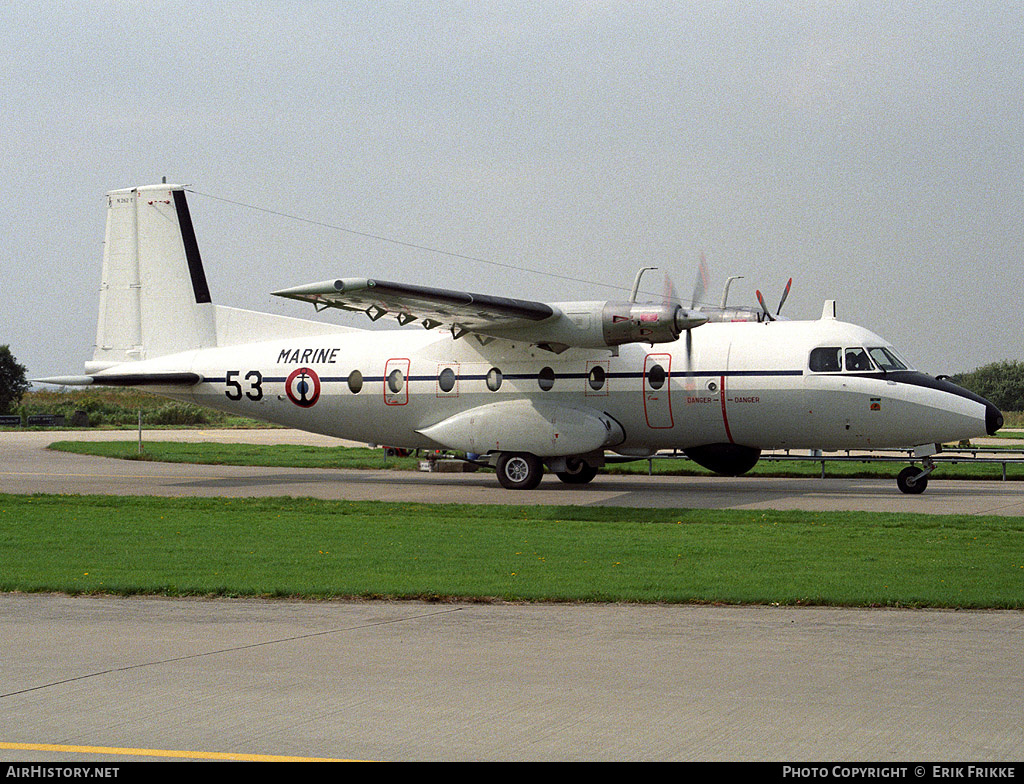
(1001, 383)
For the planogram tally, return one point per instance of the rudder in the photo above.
(154, 298)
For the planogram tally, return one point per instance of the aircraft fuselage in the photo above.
(749, 384)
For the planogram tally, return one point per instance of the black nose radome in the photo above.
(993, 419)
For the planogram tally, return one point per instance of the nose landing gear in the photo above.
(913, 480)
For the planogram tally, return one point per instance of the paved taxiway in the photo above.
(28, 467)
(413, 681)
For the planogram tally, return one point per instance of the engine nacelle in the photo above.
(604, 324)
(634, 322)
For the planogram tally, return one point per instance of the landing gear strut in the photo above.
(913, 480)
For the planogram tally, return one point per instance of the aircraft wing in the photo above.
(460, 311)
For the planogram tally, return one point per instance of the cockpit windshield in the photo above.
(854, 359)
(886, 359)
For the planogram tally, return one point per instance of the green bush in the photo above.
(176, 414)
(1002, 383)
(118, 408)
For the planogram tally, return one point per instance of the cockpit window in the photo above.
(886, 359)
(857, 359)
(854, 359)
(826, 360)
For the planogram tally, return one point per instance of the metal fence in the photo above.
(952, 456)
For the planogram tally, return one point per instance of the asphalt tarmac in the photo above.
(95, 679)
(28, 467)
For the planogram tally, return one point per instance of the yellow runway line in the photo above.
(207, 755)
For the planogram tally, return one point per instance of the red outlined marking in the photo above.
(396, 388)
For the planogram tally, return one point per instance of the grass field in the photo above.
(322, 549)
(293, 455)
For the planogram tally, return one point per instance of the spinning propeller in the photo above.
(688, 319)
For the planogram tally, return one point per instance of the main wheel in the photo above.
(578, 472)
(907, 483)
(519, 470)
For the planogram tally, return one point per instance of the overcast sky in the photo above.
(870, 150)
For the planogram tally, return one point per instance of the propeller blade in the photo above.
(760, 299)
(700, 286)
(690, 385)
(668, 288)
(784, 295)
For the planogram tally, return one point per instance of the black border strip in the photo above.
(195, 262)
(147, 379)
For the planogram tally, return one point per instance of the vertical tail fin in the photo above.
(154, 299)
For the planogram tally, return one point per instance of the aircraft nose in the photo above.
(993, 416)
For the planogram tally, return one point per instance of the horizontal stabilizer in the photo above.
(124, 380)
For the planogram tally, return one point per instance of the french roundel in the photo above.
(303, 387)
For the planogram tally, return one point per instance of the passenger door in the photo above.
(657, 384)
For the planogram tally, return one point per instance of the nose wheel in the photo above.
(913, 480)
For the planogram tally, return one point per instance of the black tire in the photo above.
(519, 470)
(578, 472)
(908, 484)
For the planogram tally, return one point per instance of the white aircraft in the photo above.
(518, 385)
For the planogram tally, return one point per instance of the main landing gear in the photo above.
(523, 471)
(577, 472)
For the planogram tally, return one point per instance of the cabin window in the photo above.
(446, 380)
(494, 379)
(355, 382)
(396, 380)
(826, 360)
(857, 359)
(596, 378)
(656, 377)
(886, 360)
(546, 378)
